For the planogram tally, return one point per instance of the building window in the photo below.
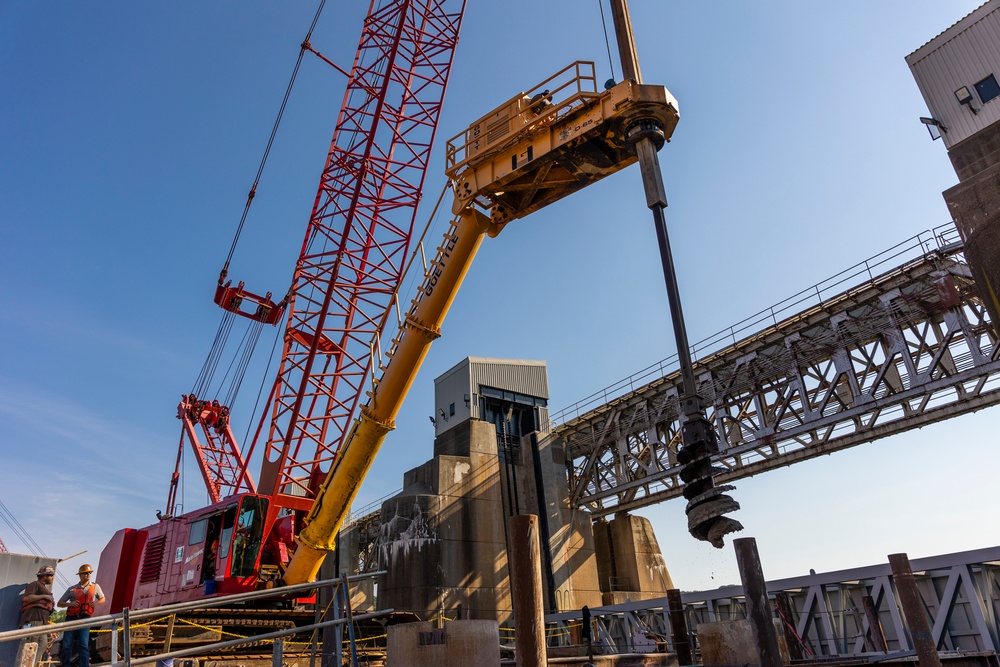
(451, 410)
(988, 88)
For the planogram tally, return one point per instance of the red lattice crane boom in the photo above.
(343, 291)
(358, 239)
(351, 262)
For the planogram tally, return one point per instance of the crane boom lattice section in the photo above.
(358, 238)
(219, 458)
(905, 349)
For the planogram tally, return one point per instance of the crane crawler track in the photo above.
(203, 627)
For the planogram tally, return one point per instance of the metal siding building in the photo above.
(963, 55)
(458, 388)
(958, 73)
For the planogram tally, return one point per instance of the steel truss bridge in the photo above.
(909, 344)
(960, 591)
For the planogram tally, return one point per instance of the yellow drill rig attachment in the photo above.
(534, 149)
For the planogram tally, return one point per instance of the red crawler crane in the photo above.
(342, 294)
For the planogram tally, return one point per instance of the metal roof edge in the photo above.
(469, 361)
(951, 31)
(512, 362)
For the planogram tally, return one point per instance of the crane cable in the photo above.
(270, 141)
(22, 533)
(247, 346)
(607, 43)
(208, 369)
(214, 354)
(237, 368)
(260, 390)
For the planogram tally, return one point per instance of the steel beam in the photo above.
(904, 349)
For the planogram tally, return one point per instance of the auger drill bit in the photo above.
(707, 504)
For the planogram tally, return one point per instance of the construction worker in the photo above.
(79, 601)
(37, 605)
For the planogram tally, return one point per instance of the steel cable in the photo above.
(214, 354)
(254, 337)
(238, 364)
(274, 132)
(607, 43)
(263, 383)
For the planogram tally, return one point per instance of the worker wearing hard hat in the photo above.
(37, 604)
(79, 601)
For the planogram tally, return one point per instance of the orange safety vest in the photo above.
(85, 596)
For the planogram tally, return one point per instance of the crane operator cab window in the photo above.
(249, 535)
(214, 534)
(226, 534)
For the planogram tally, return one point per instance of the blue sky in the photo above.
(132, 131)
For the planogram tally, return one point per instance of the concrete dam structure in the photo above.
(443, 540)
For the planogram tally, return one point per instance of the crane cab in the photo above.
(234, 546)
(556, 138)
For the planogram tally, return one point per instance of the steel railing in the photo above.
(942, 239)
(121, 622)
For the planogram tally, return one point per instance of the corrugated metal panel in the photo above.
(524, 377)
(963, 55)
(451, 388)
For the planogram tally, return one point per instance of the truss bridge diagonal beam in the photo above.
(906, 348)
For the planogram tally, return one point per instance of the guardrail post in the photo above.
(277, 653)
(327, 609)
(127, 637)
(169, 638)
(114, 644)
(346, 592)
(338, 630)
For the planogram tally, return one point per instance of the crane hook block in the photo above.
(247, 304)
(556, 138)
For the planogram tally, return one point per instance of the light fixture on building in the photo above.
(442, 414)
(964, 96)
(934, 127)
(467, 400)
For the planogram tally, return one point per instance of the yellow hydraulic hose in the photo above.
(421, 326)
